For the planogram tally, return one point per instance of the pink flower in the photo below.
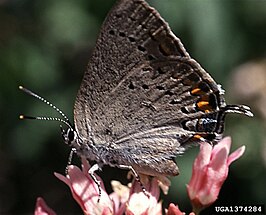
(124, 200)
(42, 209)
(85, 191)
(210, 170)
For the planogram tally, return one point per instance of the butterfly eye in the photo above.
(70, 135)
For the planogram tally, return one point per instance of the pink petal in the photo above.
(128, 212)
(119, 207)
(199, 170)
(85, 192)
(41, 208)
(216, 174)
(62, 178)
(119, 197)
(85, 166)
(236, 154)
(154, 189)
(224, 143)
(204, 155)
(174, 210)
(219, 160)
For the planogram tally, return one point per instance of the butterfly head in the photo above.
(70, 136)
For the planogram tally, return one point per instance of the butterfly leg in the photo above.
(94, 168)
(69, 161)
(136, 176)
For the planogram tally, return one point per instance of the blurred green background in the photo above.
(45, 46)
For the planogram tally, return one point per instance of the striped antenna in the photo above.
(45, 118)
(65, 120)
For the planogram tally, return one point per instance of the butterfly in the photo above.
(143, 100)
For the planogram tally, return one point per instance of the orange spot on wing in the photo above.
(197, 136)
(202, 103)
(196, 90)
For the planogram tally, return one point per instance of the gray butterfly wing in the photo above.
(137, 80)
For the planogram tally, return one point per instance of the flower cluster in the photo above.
(210, 170)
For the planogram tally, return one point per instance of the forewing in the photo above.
(137, 81)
